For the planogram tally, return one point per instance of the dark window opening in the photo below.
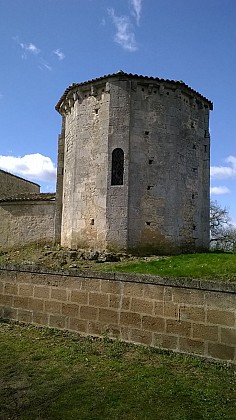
(150, 187)
(194, 146)
(142, 89)
(146, 133)
(92, 222)
(148, 223)
(193, 196)
(194, 227)
(117, 171)
(96, 111)
(150, 161)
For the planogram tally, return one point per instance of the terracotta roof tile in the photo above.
(120, 73)
(29, 197)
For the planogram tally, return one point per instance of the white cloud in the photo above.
(136, 6)
(59, 54)
(43, 65)
(31, 48)
(124, 36)
(34, 166)
(223, 172)
(219, 190)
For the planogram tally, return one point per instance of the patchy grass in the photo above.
(211, 266)
(47, 374)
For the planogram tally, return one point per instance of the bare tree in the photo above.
(223, 233)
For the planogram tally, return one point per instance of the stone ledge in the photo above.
(183, 282)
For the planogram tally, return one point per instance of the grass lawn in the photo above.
(212, 266)
(48, 374)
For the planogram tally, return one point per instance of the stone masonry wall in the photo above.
(188, 316)
(12, 185)
(85, 171)
(26, 222)
(169, 168)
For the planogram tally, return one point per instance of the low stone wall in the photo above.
(189, 316)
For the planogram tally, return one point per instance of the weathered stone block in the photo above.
(52, 307)
(221, 317)
(188, 345)
(154, 292)
(79, 325)
(36, 304)
(151, 323)
(57, 321)
(181, 328)
(21, 302)
(228, 336)
(41, 292)
(89, 313)
(98, 299)
(130, 319)
(79, 296)
(193, 297)
(24, 316)
(70, 309)
(140, 336)
(110, 287)
(193, 313)
(205, 332)
(221, 351)
(10, 289)
(40, 318)
(142, 306)
(58, 294)
(93, 285)
(26, 290)
(165, 341)
(108, 316)
(119, 302)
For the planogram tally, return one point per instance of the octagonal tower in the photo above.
(133, 165)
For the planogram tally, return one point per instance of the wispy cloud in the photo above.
(34, 166)
(124, 36)
(44, 66)
(219, 190)
(223, 172)
(136, 7)
(60, 55)
(30, 48)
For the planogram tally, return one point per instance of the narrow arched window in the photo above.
(117, 167)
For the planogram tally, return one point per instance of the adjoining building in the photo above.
(133, 165)
(26, 215)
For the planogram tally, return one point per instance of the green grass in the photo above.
(219, 266)
(46, 374)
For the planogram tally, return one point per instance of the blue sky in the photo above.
(46, 45)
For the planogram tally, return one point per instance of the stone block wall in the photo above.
(26, 222)
(188, 316)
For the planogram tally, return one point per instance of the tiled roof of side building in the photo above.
(121, 73)
(29, 197)
(19, 177)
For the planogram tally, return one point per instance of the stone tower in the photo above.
(133, 165)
